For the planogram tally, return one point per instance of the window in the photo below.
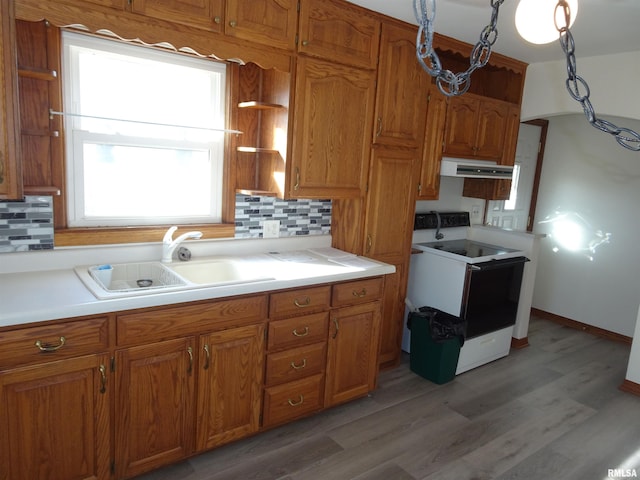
(144, 134)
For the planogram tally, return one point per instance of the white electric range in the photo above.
(476, 281)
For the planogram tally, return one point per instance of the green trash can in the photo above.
(436, 338)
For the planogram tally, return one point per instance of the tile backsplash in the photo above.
(26, 225)
(297, 217)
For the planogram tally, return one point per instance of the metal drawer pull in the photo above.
(207, 356)
(298, 403)
(305, 303)
(298, 367)
(103, 379)
(303, 334)
(47, 347)
(335, 322)
(190, 367)
(361, 293)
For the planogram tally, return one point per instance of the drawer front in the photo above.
(298, 331)
(299, 302)
(54, 342)
(484, 349)
(163, 323)
(359, 291)
(294, 364)
(292, 400)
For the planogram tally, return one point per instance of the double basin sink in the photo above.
(130, 279)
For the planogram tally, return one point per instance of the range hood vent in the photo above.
(455, 167)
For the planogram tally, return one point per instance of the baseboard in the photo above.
(567, 322)
(630, 387)
(519, 343)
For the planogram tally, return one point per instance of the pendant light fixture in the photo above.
(536, 20)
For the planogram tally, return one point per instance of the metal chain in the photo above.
(449, 83)
(575, 83)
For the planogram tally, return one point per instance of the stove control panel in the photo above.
(429, 221)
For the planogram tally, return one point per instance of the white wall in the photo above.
(595, 183)
(612, 80)
(588, 176)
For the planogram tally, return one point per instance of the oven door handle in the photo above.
(493, 264)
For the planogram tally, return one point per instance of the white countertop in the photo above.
(35, 296)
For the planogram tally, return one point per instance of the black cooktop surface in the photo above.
(468, 248)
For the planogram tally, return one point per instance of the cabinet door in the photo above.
(332, 131)
(461, 126)
(340, 32)
(229, 385)
(502, 190)
(202, 13)
(492, 122)
(54, 420)
(390, 203)
(272, 22)
(154, 405)
(489, 189)
(352, 357)
(395, 289)
(402, 90)
(429, 183)
(10, 173)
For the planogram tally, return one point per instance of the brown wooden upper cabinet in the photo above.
(429, 181)
(271, 22)
(10, 173)
(490, 189)
(475, 128)
(203, 13)
(339, 31)
(402, 89)
(332, 130)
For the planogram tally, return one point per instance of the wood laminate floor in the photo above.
(551, 411)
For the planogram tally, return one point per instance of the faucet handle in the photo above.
(168, 236)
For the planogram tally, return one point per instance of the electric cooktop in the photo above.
(468, 248)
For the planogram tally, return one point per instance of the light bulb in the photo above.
(535, 19)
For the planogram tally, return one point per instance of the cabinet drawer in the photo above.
(299, 302)
(297, 331)
(359, 291)
(54, 342)
(292, 400)
(295, 364)
(163, 323)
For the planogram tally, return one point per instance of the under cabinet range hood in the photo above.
(456, 167)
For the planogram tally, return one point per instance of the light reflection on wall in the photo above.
(571, 232)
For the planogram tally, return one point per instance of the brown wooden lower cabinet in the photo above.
(352, 354)
(165, 383)
(154, 405)
(229, 405)
(54, 420)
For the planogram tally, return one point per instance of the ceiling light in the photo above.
(536, 20)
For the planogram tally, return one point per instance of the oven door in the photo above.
(491, 295)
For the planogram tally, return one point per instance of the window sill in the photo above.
(106, 236)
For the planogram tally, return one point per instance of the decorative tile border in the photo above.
(26, 225)
(297, 217)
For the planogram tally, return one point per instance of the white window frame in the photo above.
(76, 137)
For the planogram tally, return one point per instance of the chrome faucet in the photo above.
(169, 245)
